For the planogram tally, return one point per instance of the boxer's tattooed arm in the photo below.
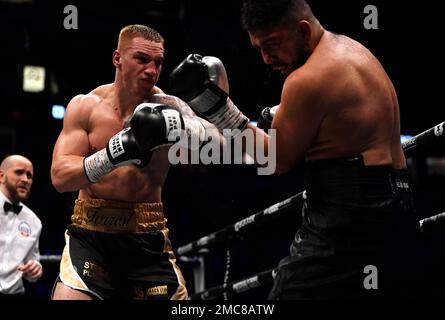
(173, 101)
(187, 113)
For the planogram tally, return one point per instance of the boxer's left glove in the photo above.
(202, 83)
(151, 126)
(155, 125)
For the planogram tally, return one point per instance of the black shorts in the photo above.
(109, 255)
(357, 221)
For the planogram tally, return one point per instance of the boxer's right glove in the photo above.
(266, 117)
(122, 149)
(202, 83)
(151, 126)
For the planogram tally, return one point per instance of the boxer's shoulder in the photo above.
(81, 108)
(86, 102)
(163, 98)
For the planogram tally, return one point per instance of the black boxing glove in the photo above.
(202, 83)
(195, 128)
(266, 117)
(122, 149)
(155, 125)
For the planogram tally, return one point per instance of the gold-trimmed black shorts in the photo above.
(120, 250)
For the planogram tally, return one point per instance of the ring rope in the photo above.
(235, 287)
(266, 277)
(50, 258)
(244, 225)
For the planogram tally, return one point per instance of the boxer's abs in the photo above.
(128, 184)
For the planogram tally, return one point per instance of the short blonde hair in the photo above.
(137, 30)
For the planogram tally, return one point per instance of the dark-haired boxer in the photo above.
(339, 112)
(117, 246)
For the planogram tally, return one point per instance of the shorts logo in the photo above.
(24, 229)
(143, 293)
(96, 218)
(93, 270)
(157, 291)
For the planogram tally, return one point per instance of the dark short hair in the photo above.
(266, 13)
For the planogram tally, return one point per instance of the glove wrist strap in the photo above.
(209, 100)
(229, 117)
(97, 165)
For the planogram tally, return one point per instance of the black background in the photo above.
(201, 199)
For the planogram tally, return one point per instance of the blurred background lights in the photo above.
(58, 111)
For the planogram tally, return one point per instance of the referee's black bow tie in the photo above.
(12, 207)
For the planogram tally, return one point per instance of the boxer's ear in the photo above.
(116, 58)
(305, 30)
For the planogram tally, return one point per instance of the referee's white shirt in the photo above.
(19, 243)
